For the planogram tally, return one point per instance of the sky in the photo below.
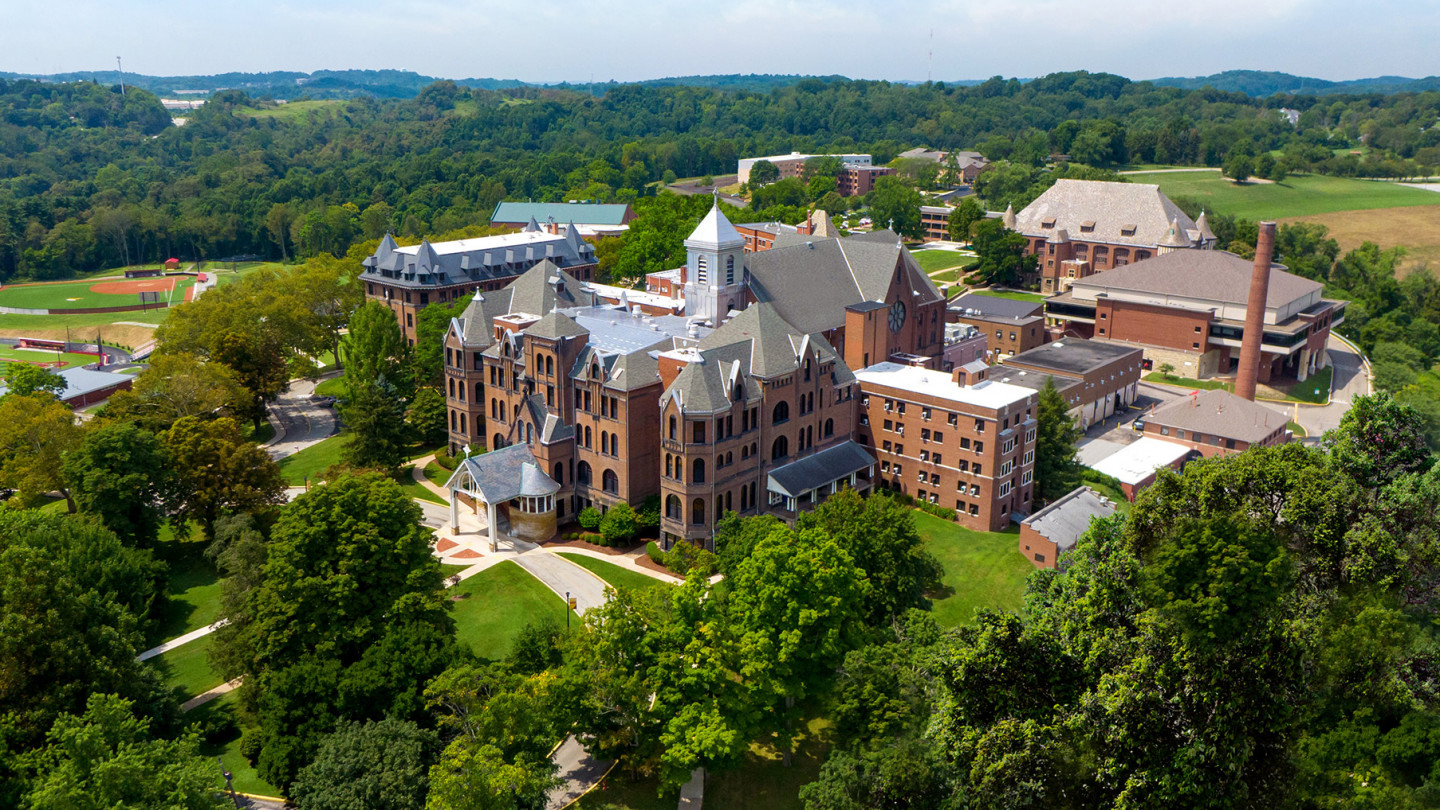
(627, 40)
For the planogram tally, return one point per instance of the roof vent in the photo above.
(809, 244)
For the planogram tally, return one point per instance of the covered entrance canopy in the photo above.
(808, 481)
(502, 476)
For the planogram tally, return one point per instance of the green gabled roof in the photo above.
(513, 213)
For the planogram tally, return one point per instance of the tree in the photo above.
(174, 386)
(376, 348)
(380, 764)
(1167, 369)
(215, 470)
(619, 524)
(374, 415)
(259, 364)
(426, 417)
(23, 380)
(277, 224)
(1377, 440)
(1239, 167)
(896, 206)
(962, 218)
(36, 432)
(118, 473)
(108, 757)
(1001, 253)
(1056, 470)
(477, 777)
(326, 292)
(431, 326)
(763, 172)
(879, 534)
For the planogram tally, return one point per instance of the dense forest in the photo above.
(91, 178)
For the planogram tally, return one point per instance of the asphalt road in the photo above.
(563, 577)
(300, 422)
(1349, 380)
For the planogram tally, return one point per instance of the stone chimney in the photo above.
(1249, 372)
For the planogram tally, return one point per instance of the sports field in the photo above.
(9, 354)
(94, 294)
(1298, 196)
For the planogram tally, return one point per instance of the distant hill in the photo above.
(1259, 83)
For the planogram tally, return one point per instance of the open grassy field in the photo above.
(932, 260)
(9, 354)
(194, 588)
(295, 109)
(187, 667)
(982, 569)
(227, 747)
(1299, 195)
(1415, 228)
(93, 294)
(310, 462)
(612, 573)
(496, 603)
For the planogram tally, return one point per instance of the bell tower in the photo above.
(715, 268)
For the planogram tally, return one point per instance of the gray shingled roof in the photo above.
(1111, 206)
(818, 469)
(1213, 275)
(775, 345)
(555, 325)
(810, 282)
(1064, 521)
(473, 260)
(1217, 412)
(498, 476)
(535, 292)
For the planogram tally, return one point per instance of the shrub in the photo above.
(446, 460)
(652, 550)
(649, 515)
(589, 518)
(682, 558)
(619, 525)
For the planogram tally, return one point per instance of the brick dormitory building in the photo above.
(747, 399)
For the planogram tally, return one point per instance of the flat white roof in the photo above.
(635, 296)
(504, 240)
(938, 384)
(1139, 460)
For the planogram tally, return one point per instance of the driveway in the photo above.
(299, 422)
(564, 577)
(578, 773)
(1350, 379)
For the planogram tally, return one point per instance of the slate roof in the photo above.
(811, 281)
(554, 326)
(1208, 275)
(1217, 412)
(468, 260)
(534, 292)
(818, 469)
(499, 475)
(1111, 206)
(1063, 521)
(774, 345)
(515, 213)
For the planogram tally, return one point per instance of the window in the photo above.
(698, 474)
(698, 431)
(925, 414)
(979, 425)
(829, 428)
(697, 512)
(886, 447)
(672, 507)
(889, 425)
(780, 449)
(1007, 468)
(925, 434)
(1197, 330)
(729, 270)
(954, 420)
(781, 413)
(976, 468)
(672, 427)
(582, 472)
(1007, 446)
(1029, 458)
(937, 460)
(1026, 477)
(1005, 488)
(1030, 436)
(610, 482)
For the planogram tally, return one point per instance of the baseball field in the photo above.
(95, 294)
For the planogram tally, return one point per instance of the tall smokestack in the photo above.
(1249, 372)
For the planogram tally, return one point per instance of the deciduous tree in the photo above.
(378, 765)
(119, 473)
(36, 432)
(215, 470)
(1056, 470)
(24, 379)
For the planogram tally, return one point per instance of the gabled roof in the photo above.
(715, 231)
(499, 475)
(818, 469)
(1114, 208)
(555, 325)
(775, 345)
(1209, 275)
(537, 293)
(464, 260)
(1218, 412)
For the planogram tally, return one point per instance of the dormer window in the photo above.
(1048, 222)
(1128, 229)
(1088, 226)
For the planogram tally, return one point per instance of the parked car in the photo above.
(324, 402)
(1138, 424)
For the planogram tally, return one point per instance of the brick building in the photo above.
(1217, 423)
(935, 221)
(856, 180)
(1096, 379)
(1081, 227)
(408, 279)
(1055, 529)
(1188, 308)
(791, 165)
(967, 447)
(1010, 326)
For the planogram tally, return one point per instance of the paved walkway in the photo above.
(299, 422)
(178, 640)
(692, 793)
(579, 772)
(565, 579)
(211, 694)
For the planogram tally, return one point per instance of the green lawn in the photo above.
(60, 295)
(312, 461)
(22, 324)
(333, 387)
(187, 667)
(497, 603)
(1186, 382)
(10, 354)
(415, 489)
(227, 747)
(194, 588)
(438, 475)
(1315, 390)
(294, 110)
(932, 260)
(1012, 295)
(612, 573)
(982, 569)
(1298, 195)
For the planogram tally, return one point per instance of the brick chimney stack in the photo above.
(1249, 372)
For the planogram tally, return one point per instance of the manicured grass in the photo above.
(612, 573)
(194, 588)
(9, 354)
(227, 747)
(58, 295)
(1186, 382)
(187, 667)
(1299, 195)
(438, 475)
(333, 387)
(1108, 491)
(496, 604)
(982, 569)
(415, 489)
(1295, 428)
(295, 110)
(312, 461)
(932, 260)
(1012, 295)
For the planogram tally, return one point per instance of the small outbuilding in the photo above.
(1054, 530)
(515, 491)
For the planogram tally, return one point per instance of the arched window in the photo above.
(452, 420)
(807, 369)
(529, 430)
(744, 498)
(810, 402)
(744, 452)
(697, 512)
(604, 442)
(549, 365)
(452, 388)
(587, 435)
(462, 391)
(829, 428)
(669, 466)
(614, 444)
(672, 427)
(781, 412)
(462, 423)
(582, 472)
(729, 459)
(698, 476)
(610, 481)
(559, 472)
(497, 441)
(780, 449)
(672, 508)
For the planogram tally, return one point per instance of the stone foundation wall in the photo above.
(534, 528)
